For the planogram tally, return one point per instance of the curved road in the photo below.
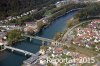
(68, 32)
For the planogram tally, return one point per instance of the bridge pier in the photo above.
(25, 54)
(49, 43)
(12, 50)
(30, 39)
(43, 42)
(57, 43)
(1, 47)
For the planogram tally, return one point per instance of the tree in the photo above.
(58, 36)
(49, 64)
(64, 47)
(72, 49)
(47, 13)
(16, 7)
(73, 22)
(44, 48)
(92, 9)
(14, 36)
(62, 64)
(40, 25)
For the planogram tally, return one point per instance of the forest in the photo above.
(93, 9)
(16, 7)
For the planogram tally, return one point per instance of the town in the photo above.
(64, 33)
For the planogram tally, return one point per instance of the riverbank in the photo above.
(48, 24)
(51, 20)
(89, 19)
(81, 49)
(80, 22)
(60, 11)
(14, 59)
(89, 11)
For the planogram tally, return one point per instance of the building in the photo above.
(88, 35)
(60, 3)
(65, 2)
(31, 27)
(58, 50)
(2, 42)
(42, 61)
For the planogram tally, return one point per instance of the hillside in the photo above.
(15, 7)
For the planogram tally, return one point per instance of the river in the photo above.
(8, 58)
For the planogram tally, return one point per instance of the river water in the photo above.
(8, 58)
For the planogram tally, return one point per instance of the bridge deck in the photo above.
(31, 60)
(19, 50)
(39, 38)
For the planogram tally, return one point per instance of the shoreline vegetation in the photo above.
(14, 36)
(13, 8)
(75, 48)
(60, 11)
(56, 12)
(45, 11)
(50, 11)
(88, 13)
(92, 11)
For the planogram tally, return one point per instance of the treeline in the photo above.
(68, 7)
(14, 36)
(16, 7)
(50, 10)
(93, 9)
(56, 12)
(40, 13)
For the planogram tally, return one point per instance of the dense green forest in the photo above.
(93, 9)
(88, 12)
(15, 7)
(49, 10)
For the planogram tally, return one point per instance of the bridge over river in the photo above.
(38, 38)
(46, 40)
(33, 57)
(18, 50)
(30, 60)
(58, 25)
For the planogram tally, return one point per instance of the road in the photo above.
(69, 30)
(66, 35)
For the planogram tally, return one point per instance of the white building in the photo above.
(64, 2)
(60, 3)
(42, 61)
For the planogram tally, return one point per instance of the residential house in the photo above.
(31, 26)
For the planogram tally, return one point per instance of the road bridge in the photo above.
(19, 50)
(46, 40)
(39, 38)
(30, 60)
